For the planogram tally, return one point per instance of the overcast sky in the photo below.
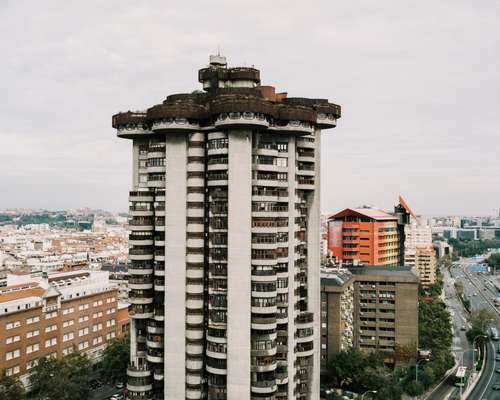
(418, 82)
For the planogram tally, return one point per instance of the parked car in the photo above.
(119, 385)
(496, 386)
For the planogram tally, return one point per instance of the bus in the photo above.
(494, 333)
(461, 377)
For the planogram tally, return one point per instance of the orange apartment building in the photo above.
(55, 315)
(364, 236)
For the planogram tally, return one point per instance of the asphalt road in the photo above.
(460, 347)
(480, 292)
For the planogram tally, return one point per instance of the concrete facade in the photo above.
(224, 214)
(55, 316)
(385, 309)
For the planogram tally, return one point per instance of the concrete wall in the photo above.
(175, 266)
(239, 264)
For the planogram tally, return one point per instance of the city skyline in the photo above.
(419, 108)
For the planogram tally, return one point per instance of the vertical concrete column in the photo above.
(292, 213)
(135, 164)
(133, 340)
(239, 264)
(313, 265)
(175, 266)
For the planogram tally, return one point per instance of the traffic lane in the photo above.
(483, 389)
(489, 376)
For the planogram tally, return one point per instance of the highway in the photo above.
(479, 290)
(460, 347)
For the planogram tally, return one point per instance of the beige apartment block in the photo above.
(55, 316)
(426, 264)
(385, 309)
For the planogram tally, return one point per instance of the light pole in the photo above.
(368, 391)
(416, 368)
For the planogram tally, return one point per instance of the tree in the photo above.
(459, 288)
(115, 361)
(64, 379)
(11, 388)
(494, 261)
(481, 321)
(346, 365)
(434, 327)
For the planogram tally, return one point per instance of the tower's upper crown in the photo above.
(219, 76)
(218, 61)
(233, 97)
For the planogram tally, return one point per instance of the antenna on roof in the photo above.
(218, 49)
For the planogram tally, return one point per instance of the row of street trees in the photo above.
(69, 377)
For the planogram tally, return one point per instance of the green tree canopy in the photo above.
(480, 321)
(494, 260)
(61, 379)
(115, 361)
(11, 388)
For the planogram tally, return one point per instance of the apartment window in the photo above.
(282, 147)
(50, 342)
(34, 333)
(97, 315)
(110, 335)
(83, 345)
(110, 300)
(10, 355)
(12, 325)
(96, 327)
(83, 318)
(50, 328)
(51, 315)
(281, 162)
(69, 322)
(97, 340)
(83, 332)
(68, 336)
(111, 322)
(12, 371)
(82, 307)
(68, 310)
(32, 348)
(218, 143)
(32, 320)
(12, 339)
(67, 350)
(110, 311)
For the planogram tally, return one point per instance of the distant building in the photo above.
(442, 248)
(337, 313)
(384, 311)
(486, 234)
(426, 264)
(364, 236)
(56, 315)
(467, 234)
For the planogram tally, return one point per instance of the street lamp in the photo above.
(416, 367)
(368, 391)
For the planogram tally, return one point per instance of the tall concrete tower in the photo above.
(224, 242)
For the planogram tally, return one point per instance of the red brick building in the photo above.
(55, 316)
